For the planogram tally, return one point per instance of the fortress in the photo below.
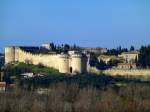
(71, 62)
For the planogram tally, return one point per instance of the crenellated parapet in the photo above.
(65, 63)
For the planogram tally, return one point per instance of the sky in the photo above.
(88, 23)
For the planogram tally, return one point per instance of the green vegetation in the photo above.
(52, 76)
(1, 60)
(71, 98)
(116, 51)
(16, 69)
(144, 58)
(78, 93)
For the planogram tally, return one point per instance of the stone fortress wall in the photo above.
(121, 72)
(65, 63)
(132, 72)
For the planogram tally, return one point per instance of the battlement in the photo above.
(65, 63)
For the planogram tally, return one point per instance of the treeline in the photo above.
(63, 47)
(119, 50)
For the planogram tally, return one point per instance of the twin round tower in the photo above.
(72, 62)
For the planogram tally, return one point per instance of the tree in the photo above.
(93, 59)
(66, 47)
(113, 63)
(132, 48)
(74, 47)
(117, 51)
(101, 65)
(52, 46)
(144, 57)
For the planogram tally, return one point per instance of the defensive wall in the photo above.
(65, 63)
(132, 72)
(121, 72)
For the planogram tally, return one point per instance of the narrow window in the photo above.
(70, 69)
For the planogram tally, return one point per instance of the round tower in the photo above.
(76, 63)
(9, 54)
(64, 63)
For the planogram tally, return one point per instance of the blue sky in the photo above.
(93, 23)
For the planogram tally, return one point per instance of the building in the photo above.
(74, 62)
(95, 50)
(130, 57)
(107, 58)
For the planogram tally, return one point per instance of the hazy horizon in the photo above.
(97, 23)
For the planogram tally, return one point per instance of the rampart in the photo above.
(65, 63)
(132, 72)
(123, 72)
